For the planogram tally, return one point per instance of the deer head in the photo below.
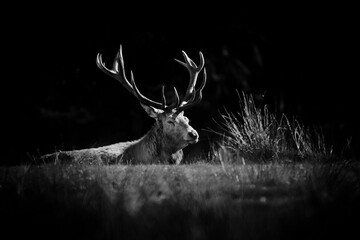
(172, 126)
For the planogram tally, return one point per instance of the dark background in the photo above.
(303, 60)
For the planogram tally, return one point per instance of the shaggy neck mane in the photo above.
(153, 148)
(153, 140)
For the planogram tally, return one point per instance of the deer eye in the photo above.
(171, 122)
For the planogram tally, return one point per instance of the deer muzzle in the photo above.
(193, 136)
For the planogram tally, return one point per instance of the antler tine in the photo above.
(192, 96)
(194, 71)
(176, 103)
(173, 105)
(163, 98)
(114, 73)
(197, 95)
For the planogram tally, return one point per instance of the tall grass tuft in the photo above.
(254, 134)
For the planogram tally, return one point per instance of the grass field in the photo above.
(266, 178)
(195, 201)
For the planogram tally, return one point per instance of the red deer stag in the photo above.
(170, 133)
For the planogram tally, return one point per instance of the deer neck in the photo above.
(158, 148)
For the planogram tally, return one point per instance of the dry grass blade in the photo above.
(254, 134)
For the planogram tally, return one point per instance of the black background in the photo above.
(304, 60)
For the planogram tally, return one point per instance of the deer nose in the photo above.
(193, 135)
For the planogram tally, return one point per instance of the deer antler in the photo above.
(131, 86)
(192, 96)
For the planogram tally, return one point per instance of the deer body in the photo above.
(165, 140)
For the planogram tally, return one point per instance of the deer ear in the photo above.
(176, 114)
(151, 111)
(181, 113)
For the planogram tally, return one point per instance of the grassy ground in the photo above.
(267, 178)
(195, 201)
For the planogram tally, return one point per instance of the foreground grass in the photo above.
(197, 201)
